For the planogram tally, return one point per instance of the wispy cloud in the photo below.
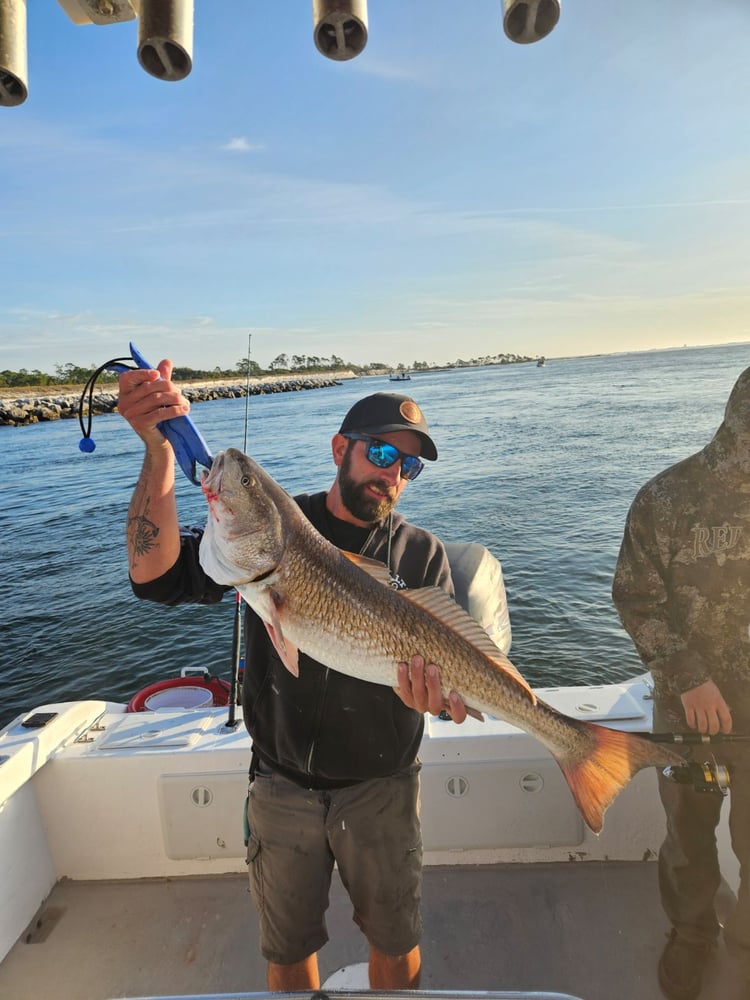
(239, 144)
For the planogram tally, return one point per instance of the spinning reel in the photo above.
(708, 776)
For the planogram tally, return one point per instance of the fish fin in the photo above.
(451, 614)
(614, 758)
(474, 713)
(288, 653)
(373, 567)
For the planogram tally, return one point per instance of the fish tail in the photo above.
(597, 778)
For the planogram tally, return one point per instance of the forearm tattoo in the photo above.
(141, 530)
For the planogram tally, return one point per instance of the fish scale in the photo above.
(387, 631)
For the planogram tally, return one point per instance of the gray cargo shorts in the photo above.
(371, 830)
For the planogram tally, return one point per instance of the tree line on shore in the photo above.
(283, 364)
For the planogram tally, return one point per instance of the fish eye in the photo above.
(247, 481)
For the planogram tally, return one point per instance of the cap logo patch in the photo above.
(410, 412)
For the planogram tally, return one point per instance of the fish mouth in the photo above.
(211, 478)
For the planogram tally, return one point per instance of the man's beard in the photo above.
(357, 501)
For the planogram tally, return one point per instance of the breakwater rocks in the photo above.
(19, 411)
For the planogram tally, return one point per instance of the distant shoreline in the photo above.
(11, 393)
(20, 409)
(65, 395)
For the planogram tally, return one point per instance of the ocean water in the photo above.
(538, 464)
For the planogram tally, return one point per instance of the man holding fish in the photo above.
(335, 776)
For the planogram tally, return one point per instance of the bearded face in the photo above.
(359, 498)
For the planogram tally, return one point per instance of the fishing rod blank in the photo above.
(695, 738)
(237, 658)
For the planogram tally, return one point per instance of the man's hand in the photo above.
(148, 396)
(419, 688)
(706, 710)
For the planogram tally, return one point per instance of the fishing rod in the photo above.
(692, 738)
(238, 660)
(706, 776)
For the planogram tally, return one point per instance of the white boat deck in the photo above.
(591, 930)
(122, 864)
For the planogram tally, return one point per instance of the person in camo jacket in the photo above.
(682, 591)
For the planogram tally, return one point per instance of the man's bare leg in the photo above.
(302, 975)
(395, 972)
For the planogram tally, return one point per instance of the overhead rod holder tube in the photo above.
(14, 68)
(527, 21)
(340, 28)
(165, 38)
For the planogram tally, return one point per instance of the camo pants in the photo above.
(689, 872)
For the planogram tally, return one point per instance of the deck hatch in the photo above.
(495, 804)
(155, 731)
(201, 814)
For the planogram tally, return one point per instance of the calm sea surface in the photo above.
(538, 464)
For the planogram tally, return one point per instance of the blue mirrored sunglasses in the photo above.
(385, 455)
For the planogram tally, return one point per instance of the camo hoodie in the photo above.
(682, 582)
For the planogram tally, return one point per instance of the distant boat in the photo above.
(540, 363)
(399, 377)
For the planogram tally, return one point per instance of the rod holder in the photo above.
(527, 21)
(14, 68)
(165, 38)
(340, 28)
(99, 11)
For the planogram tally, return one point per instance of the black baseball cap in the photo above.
(384, 412)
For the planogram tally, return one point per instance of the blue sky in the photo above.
(446, 194)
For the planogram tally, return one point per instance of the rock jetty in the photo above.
(21, 410)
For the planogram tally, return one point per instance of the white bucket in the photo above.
(180, 697)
